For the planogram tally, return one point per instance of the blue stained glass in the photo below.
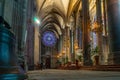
(49, 39)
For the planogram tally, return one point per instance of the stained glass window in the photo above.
(49, 39)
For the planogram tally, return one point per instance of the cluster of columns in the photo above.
(68, 40)
(113, 19)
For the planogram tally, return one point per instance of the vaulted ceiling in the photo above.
(57, 14)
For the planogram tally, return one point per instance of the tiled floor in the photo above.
(51, 74)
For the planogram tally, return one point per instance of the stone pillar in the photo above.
(36, 45)
(113, 8)
(68, 44)
(85, 26)
(9, 68)
(64, 45)
(99, 31)
(76, 47)
(40, 52)
(72, 45)
(105, 31)
(60, 42)
(2, 4)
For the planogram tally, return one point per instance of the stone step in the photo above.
(102, 68)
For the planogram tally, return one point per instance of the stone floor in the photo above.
(51, 74)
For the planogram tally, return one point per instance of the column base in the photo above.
(114, 58)
(12, 77)
(12, 73)
(88, 63)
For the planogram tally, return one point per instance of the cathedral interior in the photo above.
(73, 30)
(58, 34)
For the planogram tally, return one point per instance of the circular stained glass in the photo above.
(49, 39)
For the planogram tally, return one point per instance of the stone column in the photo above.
(60, 44)
(99, 31)
(9, 68)
(40, 43)
(113, 8)
(105, 39)
(68, 44)
(85, 26)
(72, 45)
(2, 4)
(64, 45)
(36, 45)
